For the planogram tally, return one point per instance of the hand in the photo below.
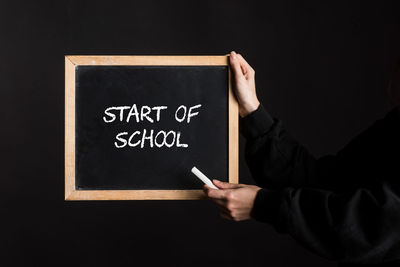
(244, 85)
(235, 201)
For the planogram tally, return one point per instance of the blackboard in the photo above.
(136, 125)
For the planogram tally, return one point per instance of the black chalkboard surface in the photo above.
(140, 128)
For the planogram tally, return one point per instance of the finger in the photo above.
(221, 204)
(224, 185)
(223, 210)
(215, 193)
(225, 216)
(235, 64)
(247, 69)
(244, 63)
(205, 189)
(244, 70)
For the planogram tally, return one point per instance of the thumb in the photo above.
(235, 65)
(223, 185)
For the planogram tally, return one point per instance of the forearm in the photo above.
(275, 159)
(360, 226)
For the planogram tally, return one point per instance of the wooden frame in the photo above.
(72, 61)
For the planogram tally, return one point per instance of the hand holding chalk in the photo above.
(203, 178)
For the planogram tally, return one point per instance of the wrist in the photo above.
(266, 205)
(248, 108)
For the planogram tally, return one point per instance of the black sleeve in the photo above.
(361, 226)
(344, 207)
(275, 159)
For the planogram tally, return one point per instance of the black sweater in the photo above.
(344, 207)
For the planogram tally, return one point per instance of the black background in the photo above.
(321, 66)
(100, 165)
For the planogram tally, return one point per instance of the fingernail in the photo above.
(233, 54)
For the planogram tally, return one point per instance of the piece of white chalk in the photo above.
(203, 178)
